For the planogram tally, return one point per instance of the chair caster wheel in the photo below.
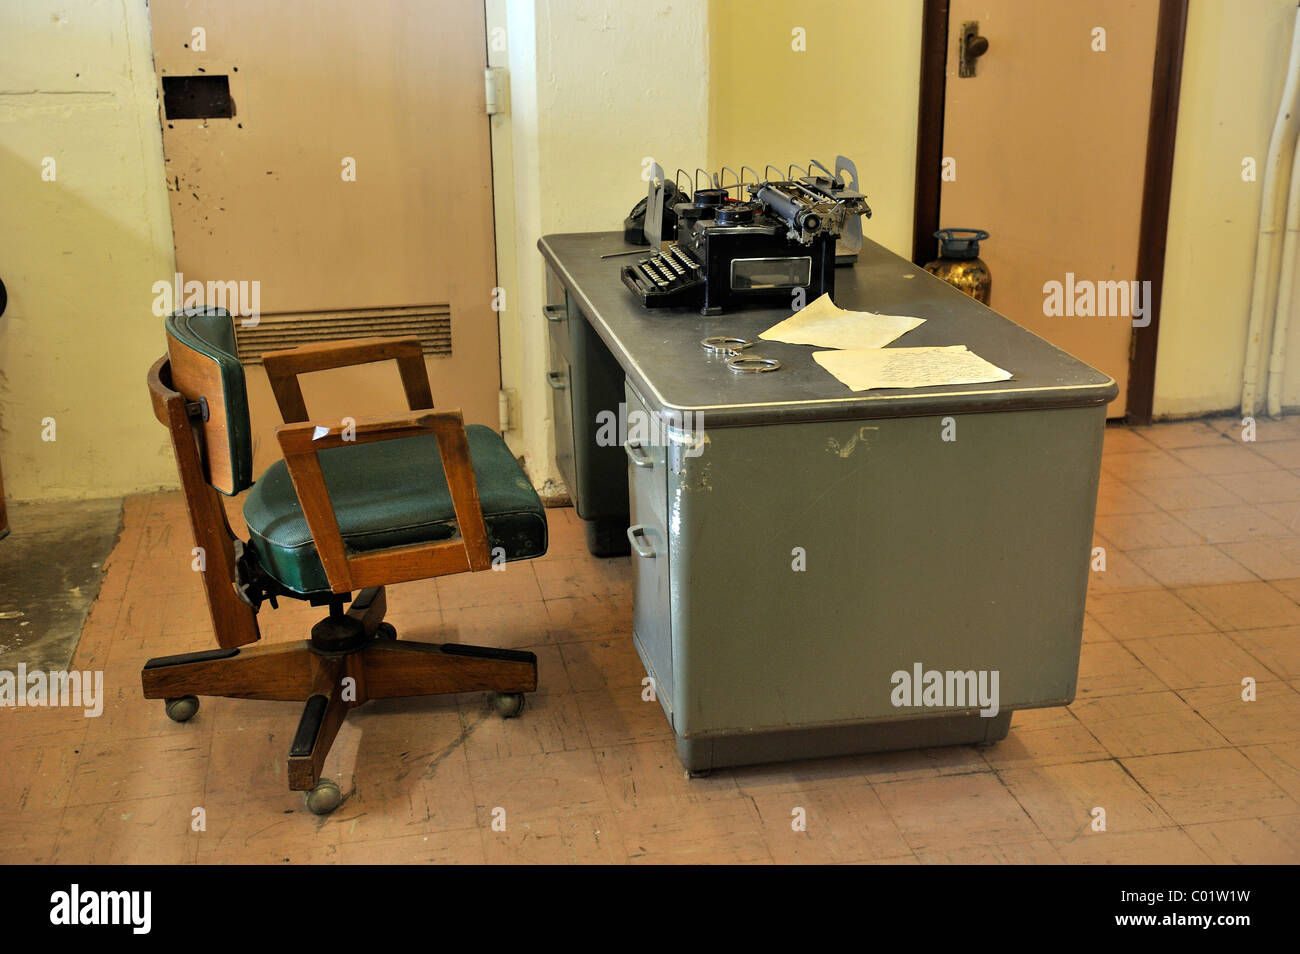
(324, 798)
(386, 631)
(182, 708)
(508, 704)
(698, 773)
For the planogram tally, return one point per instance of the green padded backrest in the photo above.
(205, 368)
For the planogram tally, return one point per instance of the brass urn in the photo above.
(959, 263)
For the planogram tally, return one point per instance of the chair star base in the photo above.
(343, 665)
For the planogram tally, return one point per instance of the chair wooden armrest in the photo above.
(283, 368)
(301, 444)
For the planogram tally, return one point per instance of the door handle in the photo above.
(971, 47)
(555, 312)
(636, 536)
(637, 454)
(556, 380)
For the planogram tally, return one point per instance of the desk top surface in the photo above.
(659, 349)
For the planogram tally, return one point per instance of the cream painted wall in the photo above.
(1234, 65)
(869, 54)
(79, 254)
(503, 216)
(596, 85)
(854, 91)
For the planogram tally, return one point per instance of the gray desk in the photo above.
(796, 544)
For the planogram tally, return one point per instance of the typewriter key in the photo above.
(651, 274)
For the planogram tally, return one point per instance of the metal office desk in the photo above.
(965, 555)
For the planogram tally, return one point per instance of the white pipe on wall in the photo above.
(1263, 292)
(1285, 292)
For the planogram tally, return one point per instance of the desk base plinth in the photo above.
(753, 748)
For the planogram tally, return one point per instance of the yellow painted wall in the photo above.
(595, 86)
(1234, 65)
(79, 254)
(853, 91)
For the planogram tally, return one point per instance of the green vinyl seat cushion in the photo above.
(392, 493)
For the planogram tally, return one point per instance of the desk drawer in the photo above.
(557, 312)
(557, 323)
(646, 457)
(559, 377)
(648, 534)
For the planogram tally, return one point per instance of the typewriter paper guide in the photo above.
(865, 369)
(826, 325)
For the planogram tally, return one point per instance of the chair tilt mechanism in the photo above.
(348, 510)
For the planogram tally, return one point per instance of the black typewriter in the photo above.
(773, 236)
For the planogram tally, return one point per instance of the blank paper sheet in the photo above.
(824, 324)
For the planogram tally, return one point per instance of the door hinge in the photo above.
(494, 90)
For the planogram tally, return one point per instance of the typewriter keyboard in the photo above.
(669, 277)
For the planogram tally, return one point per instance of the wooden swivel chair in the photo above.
(351, 508)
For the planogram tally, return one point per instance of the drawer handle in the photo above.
(636, 536)
(555, 379)
(554, 312)
(637, 454)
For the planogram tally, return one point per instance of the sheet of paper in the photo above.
(826, 325)
(865, 369)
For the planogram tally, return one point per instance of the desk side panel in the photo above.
(963, 554)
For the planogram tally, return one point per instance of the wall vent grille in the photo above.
(431, 323)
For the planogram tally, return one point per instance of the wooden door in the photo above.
(338, 154)
(1048, 143)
